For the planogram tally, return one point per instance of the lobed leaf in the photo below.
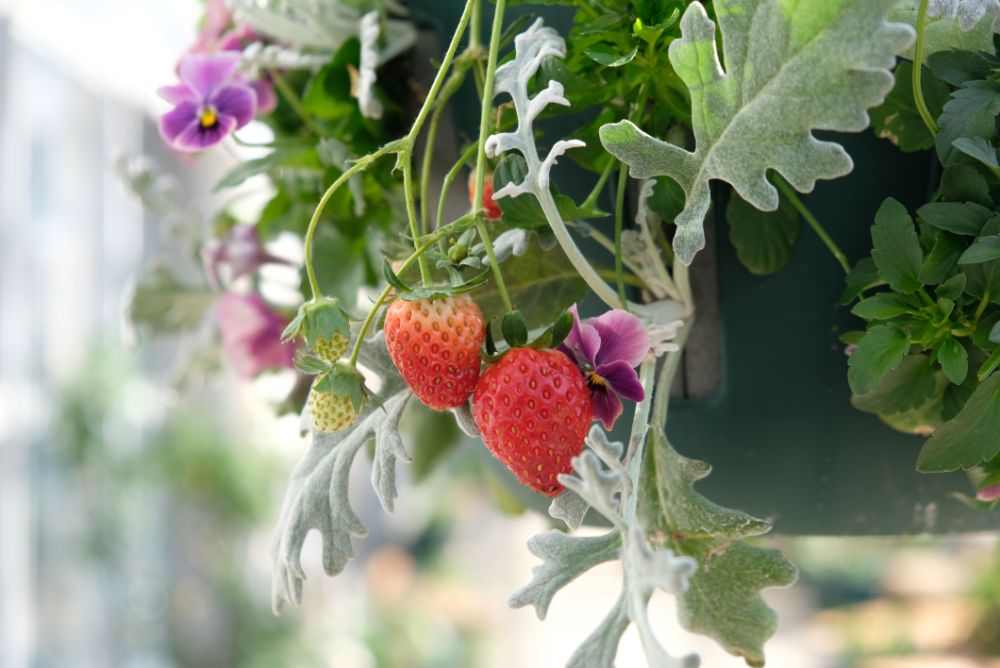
(821, 66)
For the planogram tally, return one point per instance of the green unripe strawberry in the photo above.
(330, 412)
(330, 348)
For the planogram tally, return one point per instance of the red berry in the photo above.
(492, 209)
(435, 345)
(533, 411)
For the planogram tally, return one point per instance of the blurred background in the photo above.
(139, 483)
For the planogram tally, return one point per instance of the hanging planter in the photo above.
(713, 310)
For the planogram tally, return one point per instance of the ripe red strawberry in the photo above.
(533, 411)
(492, 208)
(435, 345)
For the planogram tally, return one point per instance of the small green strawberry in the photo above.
(325, 325)
(330, 412)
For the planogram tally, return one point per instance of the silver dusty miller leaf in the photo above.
(368, 31)
(968, 12)
(531, 48)
(317, 496)
(791, 68)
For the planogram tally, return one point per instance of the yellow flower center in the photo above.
(208, 117)
(595, 380)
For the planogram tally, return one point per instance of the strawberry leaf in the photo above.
(830, 58)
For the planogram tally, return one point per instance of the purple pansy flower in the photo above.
(239, 249)
(607, 349)
(251, 334)
(235, 40)
(210, 102)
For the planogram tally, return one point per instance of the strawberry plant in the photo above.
(473, 304)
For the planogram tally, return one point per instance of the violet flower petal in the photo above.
(623, 337)
(177, 120)
(177, 94)
(622, 379)
(605, 405)
(196, 138)
(204, 72)
(236, 100)
(582, 342)
(267, 100)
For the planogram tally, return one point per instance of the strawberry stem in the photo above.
(918, 62)
(484, 131)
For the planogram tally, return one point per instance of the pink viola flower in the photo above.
(217, 18)
(251, 334)
(991, 493)
(240, 250)
(210, 102)
(607, 349)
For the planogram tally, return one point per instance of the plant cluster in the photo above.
(476, 314)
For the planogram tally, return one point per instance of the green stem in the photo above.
(602, 180)
(439, 79)
(411, 216)
(484, 130)
(459, 225)
(918, 61)
(293, 100)
(619, 216)
(793, 197)
(449, 178)
(359, 166)
(662, 392)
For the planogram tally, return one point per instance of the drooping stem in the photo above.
(918, 62)
(359, 166)
(602, 180)
(484, 131)
(619, 216)
(293, 100)
(793, 197)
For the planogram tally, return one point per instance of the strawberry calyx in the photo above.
(343, 380)
(458, 285)
(515, 334)
(317, 320)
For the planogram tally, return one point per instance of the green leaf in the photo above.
(970, 438)
(995, 333)
(982, 249)
(863, 275)
(821, 66)
(304, 157)
(943, 258)
(896, 251)
(764, 240)
(904, 388)
(958, 66)
(954, 360)
(983, 280)
(978, 148)
(964, 183)
(883, 306)
(164, 304)
(723, 600)
(970, 112)
(952, 288)
(990, 365)
(611, 56)
(898, 120)
(881, 350)
(541, 285)
(965, 218)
